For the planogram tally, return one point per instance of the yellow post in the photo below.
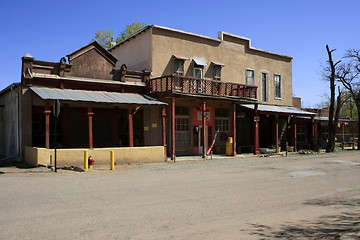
(86, 163)
(112, 167)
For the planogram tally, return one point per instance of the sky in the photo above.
(49, 30)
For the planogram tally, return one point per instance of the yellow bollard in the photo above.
(112, 167)
(86, 163)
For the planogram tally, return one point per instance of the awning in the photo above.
(219, 64)
(94, 96)
(278, 109)
(200, 62)
(180, 57)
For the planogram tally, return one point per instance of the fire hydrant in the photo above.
(91, 162)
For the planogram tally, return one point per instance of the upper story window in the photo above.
(198, 72)
(179, 67)
(264, 87)
(217, 72)
(277, 84)
(250, 79)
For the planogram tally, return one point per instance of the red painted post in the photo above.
(204, 128)
(47, 124)
(173, 129)
(312, 133)
(131, 133)
(234, 128)
(256, 130)
(277, 132)
(294, 132)
(163, 115)
(90, 114)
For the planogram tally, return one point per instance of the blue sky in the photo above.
(49, 30)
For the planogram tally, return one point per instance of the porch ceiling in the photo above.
(278, 109)
(94, 96)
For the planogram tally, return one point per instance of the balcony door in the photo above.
(198, 84)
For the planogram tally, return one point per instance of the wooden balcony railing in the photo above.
(188, 85)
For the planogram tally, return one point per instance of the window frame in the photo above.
(266, 91)
(216, 72)
(176, 66)
(251, 78)
(277, 87)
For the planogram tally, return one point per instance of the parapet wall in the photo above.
(75, 157)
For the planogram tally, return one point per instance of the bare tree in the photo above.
(349, 77)
(330, 72)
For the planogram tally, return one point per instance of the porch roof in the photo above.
(262, 108)
(94, 96)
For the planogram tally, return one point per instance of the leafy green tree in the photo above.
(130, 30)
(105, 37)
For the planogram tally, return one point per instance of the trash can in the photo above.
(229, 147)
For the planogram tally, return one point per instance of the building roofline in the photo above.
(8, 88)
(219, 39)
(97, 46)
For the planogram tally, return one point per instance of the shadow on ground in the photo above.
(345, 225)
(12, 163)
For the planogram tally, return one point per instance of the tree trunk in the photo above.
(358, 144)
(331, 125)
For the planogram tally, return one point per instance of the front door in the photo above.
(200, 139)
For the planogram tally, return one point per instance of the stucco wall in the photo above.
(9, 124)
(135, 53)
(233, 52)
(75, 157)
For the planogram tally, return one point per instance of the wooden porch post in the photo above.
(312, 133)
(256, 130)
(90, 114)
(163, 115)
(204, 128)
(131, 133)
(173, 129)
(47, 124)
(294, 133)
(277, 132)
(234, 128)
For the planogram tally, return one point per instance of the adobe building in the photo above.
(241, 91)
(160, 93)
(100, 108)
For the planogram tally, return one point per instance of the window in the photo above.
(198, 72)
(216, 72)
(182, 126)
(277, 84)
(264, 87)
(250, 77)
(179, 67)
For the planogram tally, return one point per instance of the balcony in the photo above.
(195, 86)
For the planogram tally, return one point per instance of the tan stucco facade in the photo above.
(75, 157)
(233, 51)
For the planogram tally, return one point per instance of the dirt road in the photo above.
(298, 197)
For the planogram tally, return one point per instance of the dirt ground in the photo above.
(297, 197)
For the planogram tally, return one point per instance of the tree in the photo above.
(330, 72)
(105, 37)
(349, 77)
(130, 30)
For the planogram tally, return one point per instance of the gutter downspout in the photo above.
(18, 123)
